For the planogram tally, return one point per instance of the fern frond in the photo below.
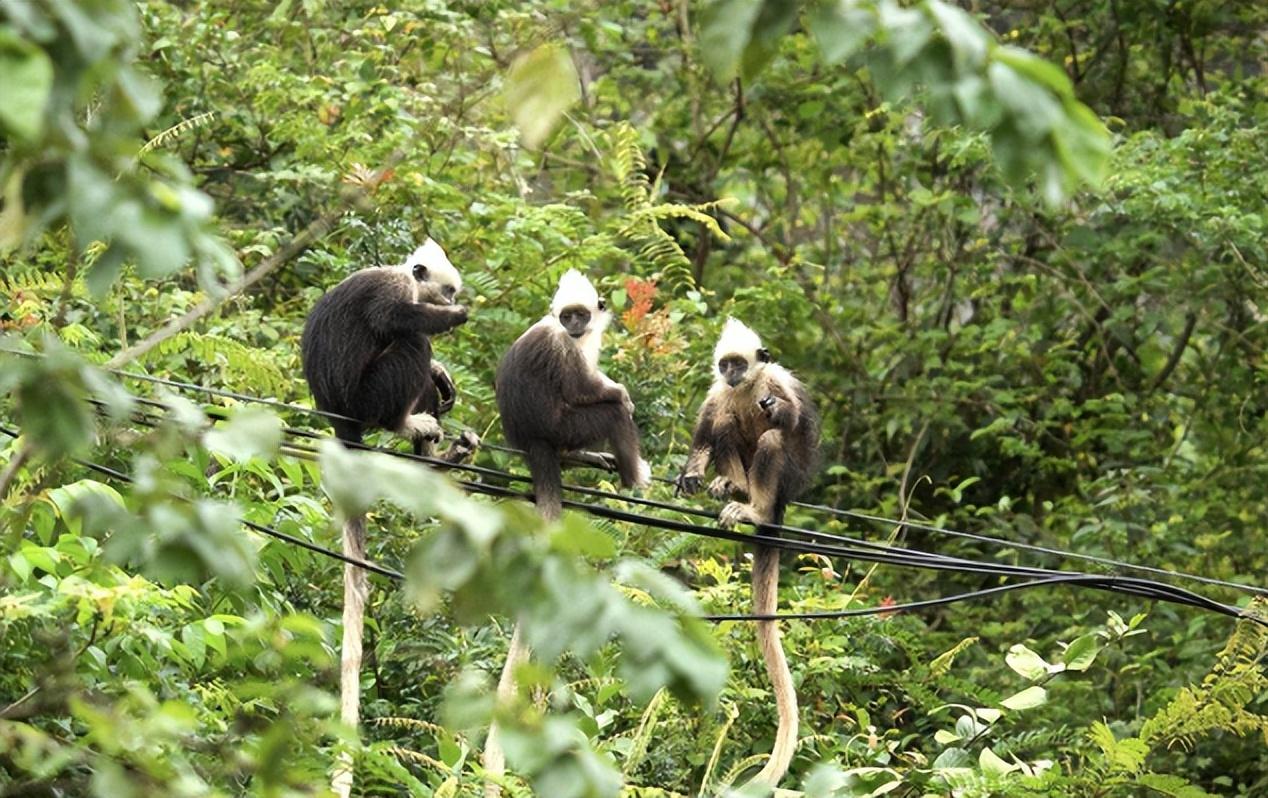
(1220, 702)
(31, 280)
(416, 757)
(643, 734)
(175, 131)
(411, 724)
(240, 367)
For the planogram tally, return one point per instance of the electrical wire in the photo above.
(853, 514)
(869, 552)
(880, 552)
(822, 508)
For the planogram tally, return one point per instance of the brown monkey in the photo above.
(761, 432)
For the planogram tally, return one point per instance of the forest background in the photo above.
(1021, 318)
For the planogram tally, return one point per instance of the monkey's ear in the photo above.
(603, 304)
(420, 271)
(763, 355)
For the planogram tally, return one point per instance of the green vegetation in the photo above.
(1022, 316)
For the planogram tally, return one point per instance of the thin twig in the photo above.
(292, 248)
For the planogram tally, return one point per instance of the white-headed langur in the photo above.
(367, 351)
(760, 430)
(367, 357)
(554, 400)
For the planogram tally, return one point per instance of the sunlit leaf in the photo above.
(540, 86)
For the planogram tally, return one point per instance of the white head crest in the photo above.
(574, 289)
(737, 339)
(439, 269)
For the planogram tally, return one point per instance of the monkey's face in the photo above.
(733, 369)
(577, 319)
(435, 288)
(437, 282)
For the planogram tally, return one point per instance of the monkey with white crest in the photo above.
(367, 356)
(367, 351)
(760, 430)
(554, 400)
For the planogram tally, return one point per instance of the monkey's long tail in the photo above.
(548, 488)
(543, 464)
(494, 759)
(765, 602)
(356, 589)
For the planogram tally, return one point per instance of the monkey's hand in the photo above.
(626, 401)
(445, 388)
(422, 426)
(687, 484)
(602, 460)
(724, 488)
(735, 512)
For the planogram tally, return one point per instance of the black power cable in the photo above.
(870, 552)
(854, 514)
(881, 553)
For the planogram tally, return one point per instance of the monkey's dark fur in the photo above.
(552, 401)
(367, 354)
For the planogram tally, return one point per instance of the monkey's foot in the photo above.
(724, 488)
(603, 460)
(735, 512)
(461, 450)
(422, 426)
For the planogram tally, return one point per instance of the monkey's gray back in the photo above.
(531, 386)
(341, 342)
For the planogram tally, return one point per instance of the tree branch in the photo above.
(270, 264)
(1182, 343)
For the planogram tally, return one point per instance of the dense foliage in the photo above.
(1011, 329)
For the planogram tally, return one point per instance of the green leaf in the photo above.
(992, 765)
(1029, 698)
(1026, 662)
(253, 432)
(1080, 654)
(576, 535)
(944, 737)
(1033, 109)
(27, 76)
(840, 28)
(906, 31)
(1039, 70)
(105, 270)
(776, 19)
(968, 40)
(726, 26)
(540, 86)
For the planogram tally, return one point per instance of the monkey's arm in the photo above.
(410, 318)
(593, 389)
(701, 451)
